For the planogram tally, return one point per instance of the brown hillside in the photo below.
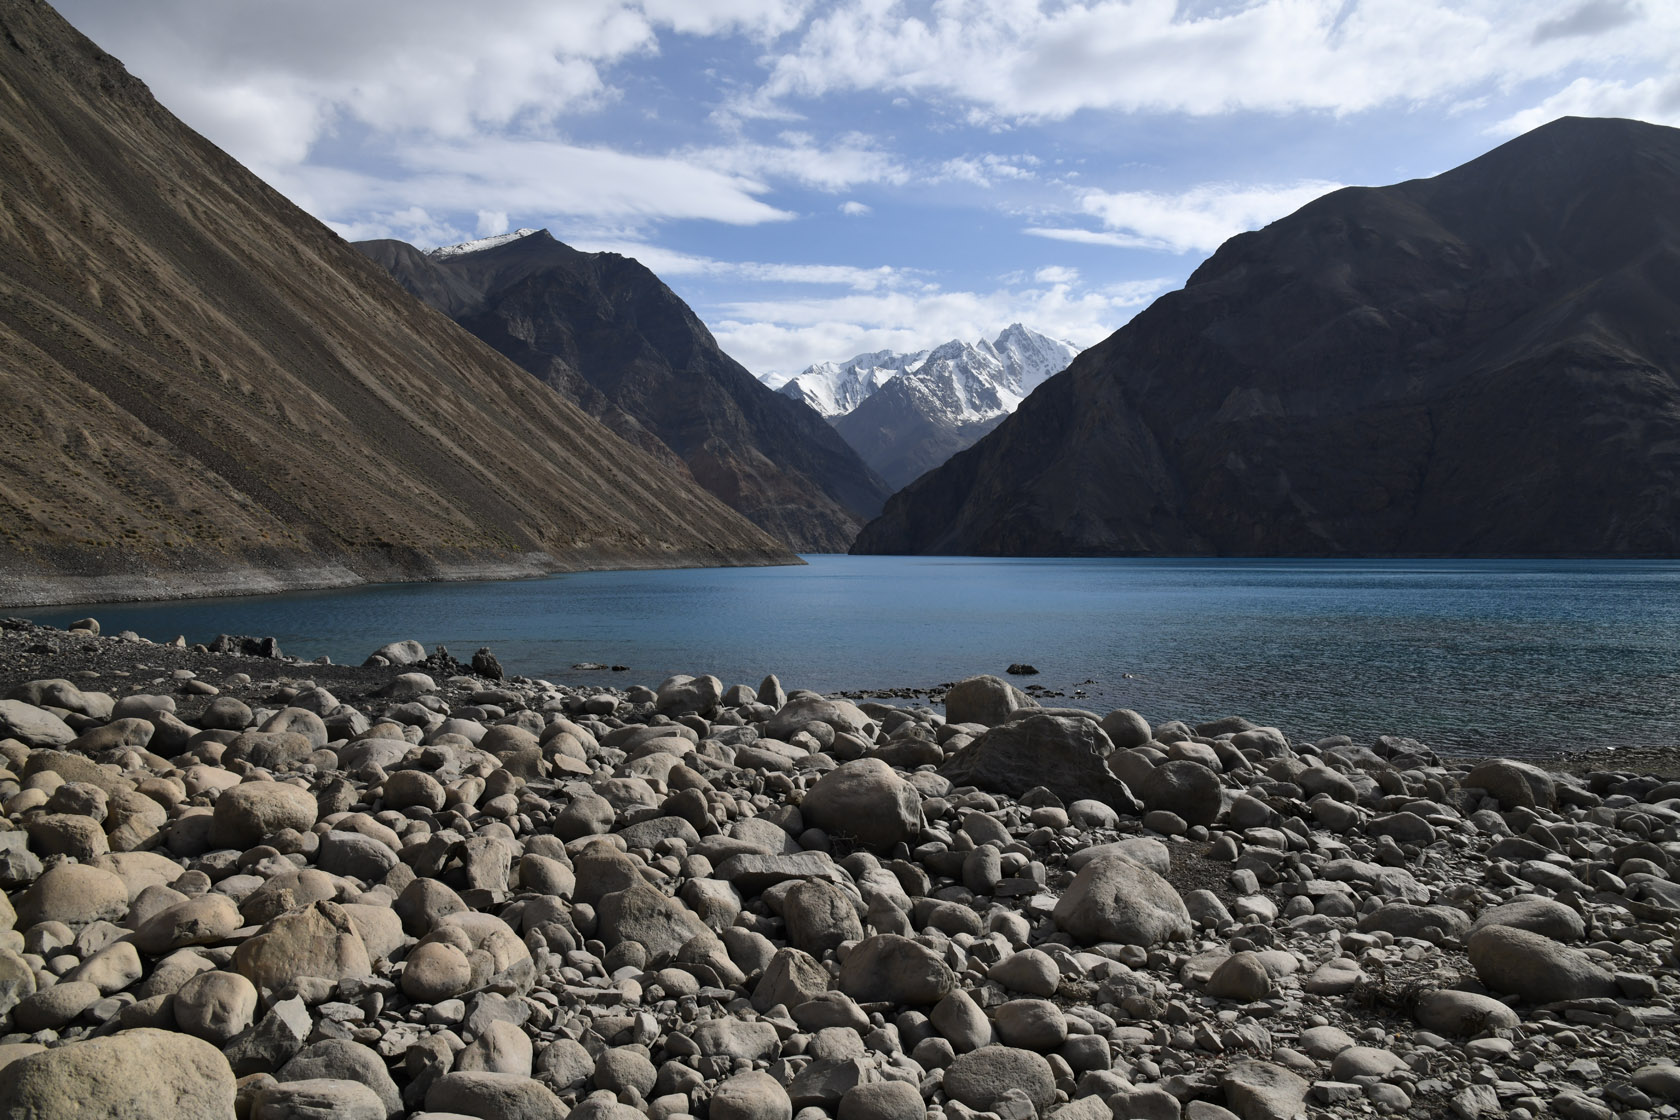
(202, 388)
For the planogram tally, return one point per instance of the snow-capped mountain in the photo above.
(444, 251)
(835, 388)
(908, 413)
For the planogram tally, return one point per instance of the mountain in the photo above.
(908, 413)
(207, 391)
(606, 333)
(1482, 363)
(835, 388)
(948, 399)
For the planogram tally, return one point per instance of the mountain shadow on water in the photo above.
(606, 332)
(1482, 363)
(207, 391)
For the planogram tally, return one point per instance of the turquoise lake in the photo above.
(1497, 656)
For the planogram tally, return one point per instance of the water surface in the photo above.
(1496, 656)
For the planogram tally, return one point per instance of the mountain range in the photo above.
(608, 334)
(208, 391)
(1482, 363)
(908, 413)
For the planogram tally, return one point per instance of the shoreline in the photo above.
(419, 888)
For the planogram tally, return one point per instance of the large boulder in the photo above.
(684, 695)
(135, 1073)
(1536, 968)
(980, 1078)
(1545, 916)
(888, 968)
(1114, 899)
(1063, 753)
(397, 653)
(984, 700)
(1189, 789)
(1263, 1091)
(1454, 1013)
(75, 894)
(1515, 785)
(841, 715)
(250, 811)
(865, 801)
(319, 940)
(32, 726)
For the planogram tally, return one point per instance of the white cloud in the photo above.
(1021, 59)
(1056, 274)
(850, 161)
(1199, 219)
(791, 333)
(855, 209)
(668, 262)
(492, 222)
(537, 180)
(1655, 99)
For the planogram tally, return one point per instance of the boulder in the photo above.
(1188, 790)
(1536, 968)
(888, 968)
(247, 813)
(1515, 785)
(1114, 899)
(75, 894)
(1063, 753)
(134, 1073)
(1458, 1014)
(980, 1078)
(1262, 1091)
(494, 1096)
(866, 802)
(1544, 916)
(753, 1095)
(319, 940)
(985, 700)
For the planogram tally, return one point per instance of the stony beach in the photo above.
(239, 884)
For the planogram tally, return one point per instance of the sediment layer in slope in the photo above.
(605, 331)
(208, 391)
(1483, 363)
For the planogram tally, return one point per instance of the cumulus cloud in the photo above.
(1655, 99)
(1027, 60)
(852, 208)
(786, 335)
(1196, 220)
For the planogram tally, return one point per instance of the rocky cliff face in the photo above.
(205, 390)
(606, 332)
(1482, 363)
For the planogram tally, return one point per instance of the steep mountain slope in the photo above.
(605, 331)
(946, 399)
(206, 391)
(1481, 363)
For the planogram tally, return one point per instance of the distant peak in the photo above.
(480, 244)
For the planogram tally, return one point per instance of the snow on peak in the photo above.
(481, 244)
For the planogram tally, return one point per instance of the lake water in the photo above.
(1487, 656)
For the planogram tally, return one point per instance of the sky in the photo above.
(820, 179)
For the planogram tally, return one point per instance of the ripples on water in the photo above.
(1508, 656)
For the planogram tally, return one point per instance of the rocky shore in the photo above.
(236, 884)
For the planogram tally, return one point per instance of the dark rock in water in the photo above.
(1478, 364)
(1066, 754)
(484, 664)
(1021, 669)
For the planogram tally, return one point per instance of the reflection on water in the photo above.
(1510, 656)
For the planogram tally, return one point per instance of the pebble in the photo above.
(469, 895)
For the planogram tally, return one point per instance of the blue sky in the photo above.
(821, 179)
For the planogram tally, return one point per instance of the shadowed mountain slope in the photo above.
(609, 334)
(205, 390)
(1479, 364)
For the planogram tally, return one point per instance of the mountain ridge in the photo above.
(1480, 363)
(605, 331)
(209, 392)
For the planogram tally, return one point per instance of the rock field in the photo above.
(250, 886)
